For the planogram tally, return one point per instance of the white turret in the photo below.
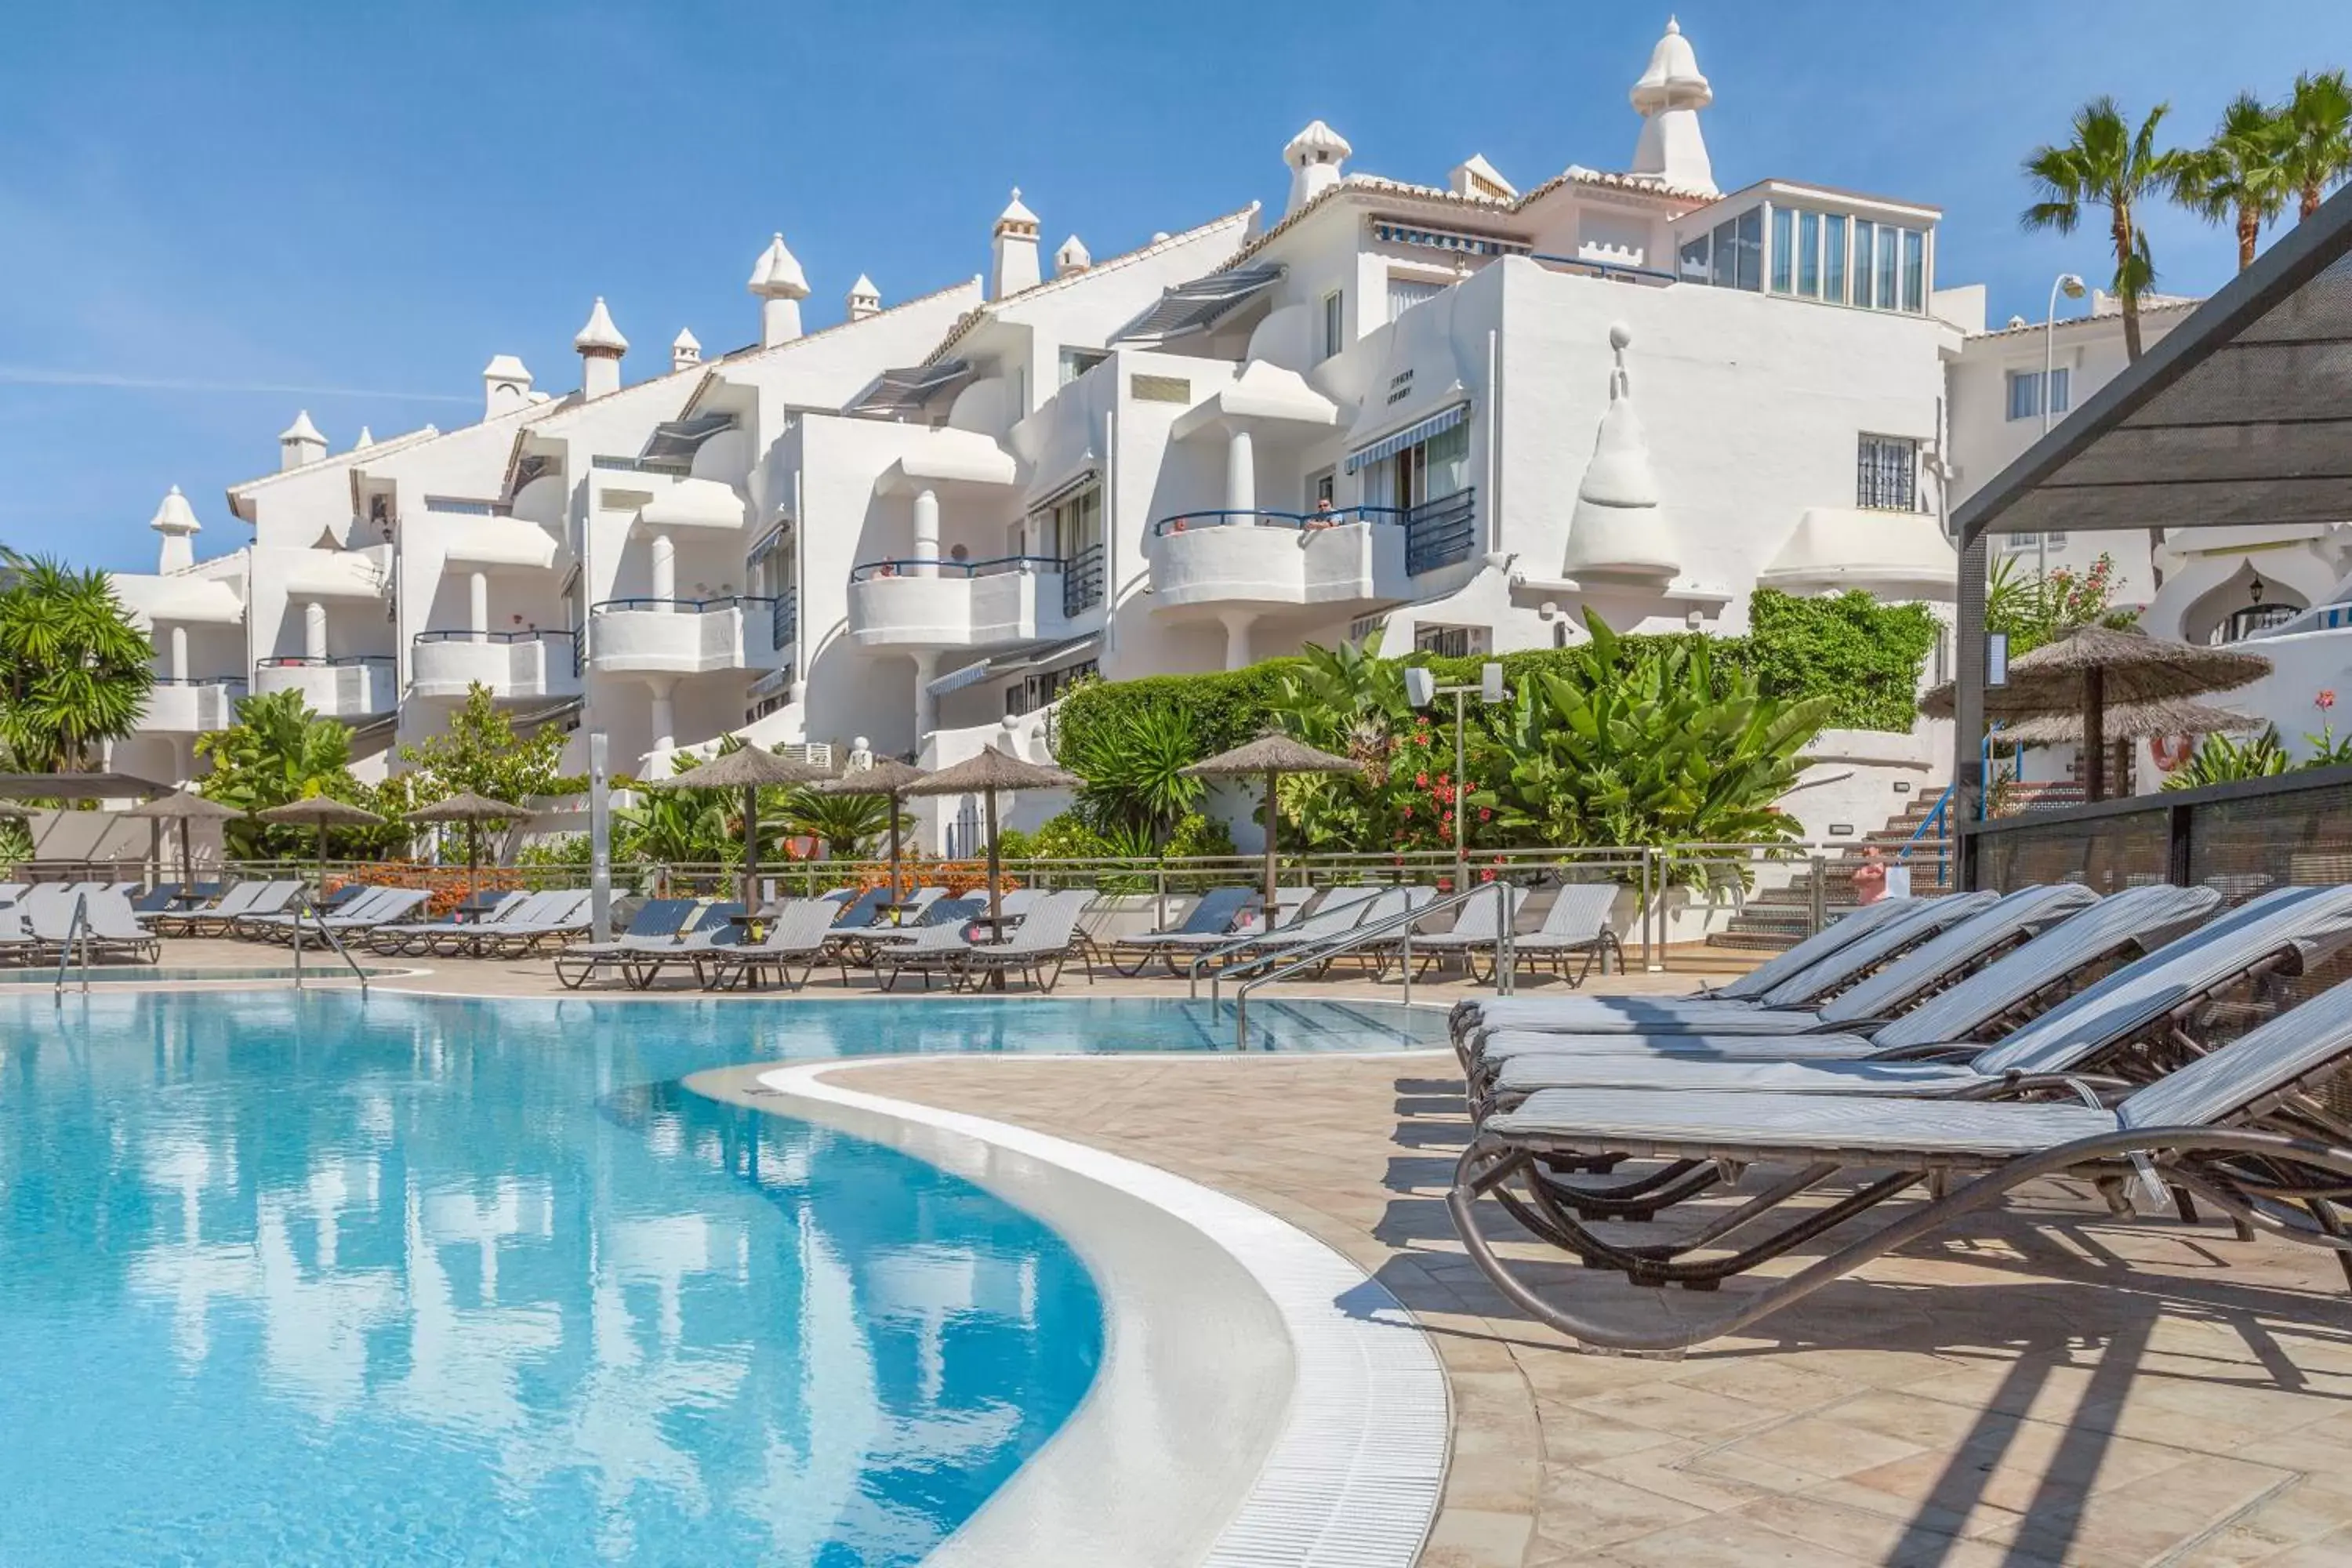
(1314, 156)
(777, 280)
(684, 349)
(601, 346)
(300, 443)
(1074, 257)
(1669, 96)
(865, 299)
(1618, 529)
(506, 387)
(176, 521)
(367, 439)
(1013, 246)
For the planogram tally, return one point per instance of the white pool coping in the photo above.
(1352, 1460)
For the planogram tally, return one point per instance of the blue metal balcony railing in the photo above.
(571, 638)
(1441, 531)
(1082, 582)
(904, 566)
(1184, 522)
(683, 606)
(784, 620)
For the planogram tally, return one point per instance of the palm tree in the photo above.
(2317, 134)
(74, 671)
(2241, 177)
(2107, 164)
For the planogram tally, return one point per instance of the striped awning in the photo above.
(1016, 661)
(1200, 305)
(972, 674)
(905, 393)
(1065, 489)
(1412, 435)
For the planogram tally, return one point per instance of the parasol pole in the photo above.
(323, 856)
(995, 904)
(894, 845)
(2094, 740)
(188, 857)
(751, 849)
(1271, 875)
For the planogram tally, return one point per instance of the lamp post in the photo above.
(1421, 689)
(2071, 285)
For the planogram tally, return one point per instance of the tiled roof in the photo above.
(2169, 305)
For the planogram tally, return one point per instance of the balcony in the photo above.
(355, 686)
(191, 705)
(1272, 558)
(687, 636)
(931, 603)
(514, 666)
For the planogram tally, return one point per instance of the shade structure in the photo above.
(1272, 755)
(2130, 722)
(78, 786)
(473, 810)
(2089, 668)
(185, 807)
(886, 776)
(985, 775)
(749, 769)
(321, 812)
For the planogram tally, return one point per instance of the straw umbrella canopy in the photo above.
(886, 776)
(2133, 722)
(321, 812)
(985, 775)
(473, 810)
(184, 807)
(2092, 667)
(1272, 755)
(749, 769)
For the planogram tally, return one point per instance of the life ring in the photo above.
(2169, 751)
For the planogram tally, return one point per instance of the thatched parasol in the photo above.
(2130, 722)
(750, 769)
(1272, 755)
(473, 810)
(185, 807)
(2091, 667)
(321, 812)
(886, 776)
(985, 775)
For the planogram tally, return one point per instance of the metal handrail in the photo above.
(463, 634)
(1260, 517)
(994, 566)
(78, 921)
(694, 606)
(1356, 936)
(301, 903)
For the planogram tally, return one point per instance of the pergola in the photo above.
(2240, 417)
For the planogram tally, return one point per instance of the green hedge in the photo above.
(1863, 655)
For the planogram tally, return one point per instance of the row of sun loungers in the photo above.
(1961, 1052)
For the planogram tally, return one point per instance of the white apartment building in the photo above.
(1468, 413)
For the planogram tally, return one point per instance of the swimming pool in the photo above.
(313, 1277)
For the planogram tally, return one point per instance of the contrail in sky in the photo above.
(35, 375)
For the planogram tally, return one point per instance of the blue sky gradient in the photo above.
(212, 216)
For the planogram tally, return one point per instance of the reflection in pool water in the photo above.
(292, 1277)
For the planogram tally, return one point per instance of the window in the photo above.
(1749, 229)
(1784, 251)
(1334, 322)
(1075, 363)
(1694, 261)
(1914, 270)
(1438, 467)
(1724, 267)
(1809, 255)
(1834, 228)
(1886, 474)
(1032, 693)
(1404, 293)
(1450, 642)
(1863, 233)
(2025, 392)
(1889, 264)
(1321, 488)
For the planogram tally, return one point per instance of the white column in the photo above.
(478, 604)
(179, 653)
(1237, 624)
(927, 532)
(1241, 473)
(665, 716)
(314, 630)
(665, 569)
(927, 707)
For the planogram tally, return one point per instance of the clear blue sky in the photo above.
(213, 215)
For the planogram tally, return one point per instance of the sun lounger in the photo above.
(1576, 926)
(565, 915)
(2238, 1127)
(17, 939)
(1214, 913)
(216, 918)
(658, 922)
(106, 929)
(712, 932)
(1048, 939)
(799, 931)
(936, 947)
(11, 891)
(421, 936)
(1473, 931)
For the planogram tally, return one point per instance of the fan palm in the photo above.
(846, 825)
(2318, 137)
(2110, 165)
(2240, 177)
(74, 671)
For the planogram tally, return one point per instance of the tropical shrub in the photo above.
(479, 751)
(2032, 609)
(2218, 759)
(280, 751)
(1135, 788)
(74, 671)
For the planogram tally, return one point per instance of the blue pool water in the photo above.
(314, 1278)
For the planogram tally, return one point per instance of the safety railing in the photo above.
(783, 619)
(1441, 531)
(682, 606)
(950, 567)
(324, 661)
(230, 682)
(77, 921)
(1340, 943)
(1306, 521)
(1082, 582)
(1611, 270)
(327, 933)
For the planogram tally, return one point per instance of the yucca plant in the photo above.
(2218, 759)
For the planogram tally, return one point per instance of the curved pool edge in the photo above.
(1198, 1438)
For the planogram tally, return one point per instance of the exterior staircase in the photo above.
(1777, 918)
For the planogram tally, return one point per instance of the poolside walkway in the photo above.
(2080, 1391)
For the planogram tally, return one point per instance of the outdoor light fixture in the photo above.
(1421, 689)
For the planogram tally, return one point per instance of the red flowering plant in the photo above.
(2326, 750)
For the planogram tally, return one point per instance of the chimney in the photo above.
(601, 346)
(300, 443)
(1669, 96)
(865, 299)
(1314, 156)
(684, 350)
(367, 439)
(506, 387)
(1013, 247)
(176, 521)
(1074, 257)
(777, 280)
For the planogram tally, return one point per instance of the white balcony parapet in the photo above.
(511, 664)
(357, 686)
(685, 637)
(935, 604)
(693, 504)
(1263, 559)
(1894, 554)
(193, 707)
